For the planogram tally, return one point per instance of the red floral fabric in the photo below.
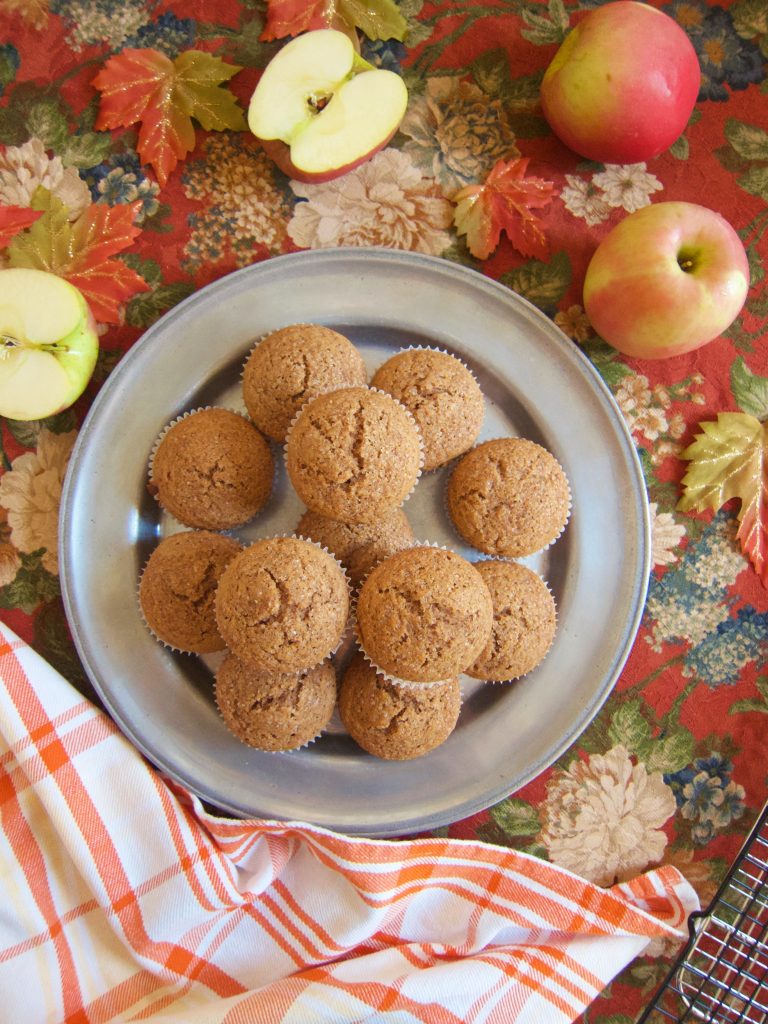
(672, 770)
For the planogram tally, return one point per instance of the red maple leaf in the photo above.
(378, 19)
(504, 203)
(14, 219)
(164, 95)
(81, 251)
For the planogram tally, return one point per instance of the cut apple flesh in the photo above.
(361, 116)
(48, 343)
(320, 98)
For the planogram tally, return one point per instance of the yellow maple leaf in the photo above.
(729, 459)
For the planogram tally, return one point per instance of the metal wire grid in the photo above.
(722, 974)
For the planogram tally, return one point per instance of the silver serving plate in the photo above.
(537, 384)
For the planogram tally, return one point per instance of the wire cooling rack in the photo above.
(722, 974)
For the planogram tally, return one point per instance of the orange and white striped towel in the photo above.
(122, 900)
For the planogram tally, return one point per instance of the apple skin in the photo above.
(665, 280)
(280, 155)
(35, 383)
(623, 85)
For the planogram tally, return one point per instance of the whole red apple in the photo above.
(622, 86)
(666, 280)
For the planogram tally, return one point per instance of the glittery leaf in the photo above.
(164, 95)
(81, 251)
(378, 19)
(504, 203)
(730, 460)
(14, 219)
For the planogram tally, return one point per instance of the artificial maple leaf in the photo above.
(378, 19)
(14, 219)
(80, 251)
(164, 95)
(504, 203)
(730, 460)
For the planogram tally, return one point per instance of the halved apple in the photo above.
(319, 109)
(48, 344)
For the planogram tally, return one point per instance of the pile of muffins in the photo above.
(279, 609)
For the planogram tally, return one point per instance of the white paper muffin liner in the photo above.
(377, 391)
(442, 352)
(513, 679)
(461, 539)
(282, 750)
(348, 625)
(398, 680)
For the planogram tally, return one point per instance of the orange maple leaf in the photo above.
(164, 95)
(81, 251)
(14, 219)
(504, 203)
(729, 459)
(378, 19)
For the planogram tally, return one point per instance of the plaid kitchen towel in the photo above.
(123, 900)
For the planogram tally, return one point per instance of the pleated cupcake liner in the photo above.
(377, 391)
(461, 539)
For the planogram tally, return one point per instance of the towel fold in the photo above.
(124, 900)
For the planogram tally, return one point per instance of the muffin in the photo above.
(282, 604)
(443, 396)
(275, 711)
(178, 586)
(353, 455)
(293, 365)
(359, 546)
(524, 622)
(212, 469)
(509, 497)
(396, 722)
(424, 615)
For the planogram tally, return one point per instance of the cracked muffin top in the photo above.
(275, 711)
(359, 546)
(424, 615)
(509, 497)
(178, 586)
(396, 722)
(282, 604)
(354, 454)
(524, 622)
(443, 396)
(212, 470)
(293, 365)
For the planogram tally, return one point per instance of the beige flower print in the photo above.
(628, 186)
(457, 132)
(10, 562)
(31, 492)
(666, 535)
(242, 207)
(25, 168)
(602, 818)
(574, 323)
(384, 202)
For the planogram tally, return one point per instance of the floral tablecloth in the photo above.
(674, 768)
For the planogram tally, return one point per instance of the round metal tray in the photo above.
(537, 384)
